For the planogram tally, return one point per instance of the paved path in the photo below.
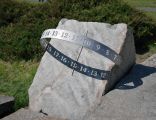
(147, 9)
(134, 98)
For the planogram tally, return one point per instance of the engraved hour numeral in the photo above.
(98, 47)
(55, 33)
(49, 48)
(64, 35)
(103, 75)
(63, 59)
(83, 69)
(47, 33)
(94, 73)
(115, 56)
(56, 54)
(107, 52)
(74, 65)
(87, 42)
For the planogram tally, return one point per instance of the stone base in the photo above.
(6, 105)
(25, 114)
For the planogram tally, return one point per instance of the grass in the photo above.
(152, 15)
(151, 50)
(15, 79)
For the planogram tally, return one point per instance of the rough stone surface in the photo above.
(56, 92)
(25, 114)
(134, 98)
(6, 105)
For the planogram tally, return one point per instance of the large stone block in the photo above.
(57, 92)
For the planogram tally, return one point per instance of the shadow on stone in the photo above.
(134, 78)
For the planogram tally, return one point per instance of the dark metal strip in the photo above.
(67, 61)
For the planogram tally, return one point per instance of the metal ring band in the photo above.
(86, 70)
(83, 41)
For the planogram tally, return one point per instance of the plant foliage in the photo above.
(21, 23)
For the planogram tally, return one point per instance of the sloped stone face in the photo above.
(134, 97)
(56, 92)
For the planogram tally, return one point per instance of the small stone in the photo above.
(6, 105)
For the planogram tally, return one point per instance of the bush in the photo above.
(19, 39)
(11, 11)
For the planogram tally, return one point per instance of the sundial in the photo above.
(83, 41)
(82, 62)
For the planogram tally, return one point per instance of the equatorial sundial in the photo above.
(83, 41)
(82, 62)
